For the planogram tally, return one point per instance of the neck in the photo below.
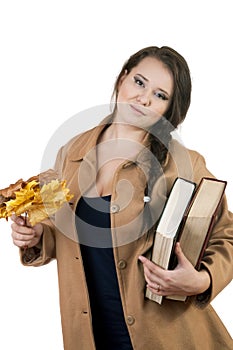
(119, 130)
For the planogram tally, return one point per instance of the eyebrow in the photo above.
(142, 76)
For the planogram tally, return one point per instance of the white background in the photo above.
(58, 58)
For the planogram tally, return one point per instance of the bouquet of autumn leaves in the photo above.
(38, 198)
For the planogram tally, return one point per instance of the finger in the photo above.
(24, 230)
(21, 244)
(157, 289)
(182, 260)
(149, 274)
(19, 220)
(151, 269)
(22, 237)
(142, 259)
(153, 282)
(148, 263)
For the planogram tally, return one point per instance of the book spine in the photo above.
(210, 229)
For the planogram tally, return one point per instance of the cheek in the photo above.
(159, 108)
(122, 96)
(124, 92)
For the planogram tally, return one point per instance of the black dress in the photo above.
(93, 227)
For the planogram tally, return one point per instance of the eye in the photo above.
(138, 81)
(161, 96)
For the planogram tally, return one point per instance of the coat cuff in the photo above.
(29, 255)
(203, 299)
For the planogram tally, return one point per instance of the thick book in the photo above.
(168, 227)
(194, 229)
(199, 222)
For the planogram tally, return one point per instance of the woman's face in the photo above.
(144, 94)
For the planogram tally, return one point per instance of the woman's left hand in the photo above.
(183, 280)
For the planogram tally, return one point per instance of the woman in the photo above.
(120, 173)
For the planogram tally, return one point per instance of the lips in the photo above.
(137, 109)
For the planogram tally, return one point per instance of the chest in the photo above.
(104, 178)
(107, 163)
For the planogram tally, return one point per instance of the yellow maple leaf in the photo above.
(3, 212)
(23, 199)
(38, 203)
(52, 196)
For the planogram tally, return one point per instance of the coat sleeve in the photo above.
(218, 257)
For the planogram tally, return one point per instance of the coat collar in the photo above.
(84, 143)
(83, 146)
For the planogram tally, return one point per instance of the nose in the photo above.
(144, 98)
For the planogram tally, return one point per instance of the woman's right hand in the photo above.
(24, 235)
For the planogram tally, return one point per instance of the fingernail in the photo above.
(141, 258)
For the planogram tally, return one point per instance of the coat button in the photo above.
(130, 320)
(146, 199)
(115, 208)
(122, 264)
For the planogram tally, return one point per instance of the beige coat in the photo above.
(172, 325)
